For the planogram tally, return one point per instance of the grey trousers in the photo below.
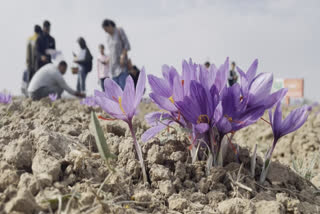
(45, 91)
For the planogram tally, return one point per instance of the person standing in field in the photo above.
(31, 58)
(102, 66)
(119, 46)
(207, 65)
(45, 43)
(84, 60)
(233, 77)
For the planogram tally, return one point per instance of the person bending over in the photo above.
(49, 80)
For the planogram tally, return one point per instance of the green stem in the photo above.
(139, 152)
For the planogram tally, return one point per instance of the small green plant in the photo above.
(101, 141)
(305, 168)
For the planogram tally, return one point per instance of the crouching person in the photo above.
(49, 80)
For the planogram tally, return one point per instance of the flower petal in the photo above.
(222, 75)
(178, 92)
(159, 86)
(112, 89)
(260, 88)
(189, 109)
(140, 87)
(128, 99)
(202, 127)
(111, 107)
(153, 118)
(271, 100)
(294, 120)
(163, 102)
(169, 73)
(251, 73)
(150, 133)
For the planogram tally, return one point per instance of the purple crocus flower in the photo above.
(123, 105)
(282, 127)
(162, 89)
(5, 98)
(236, 112)
(173, 88)
(256, 89)
(158, 122)
(89, 101)
(53, 97)
(200, 107)
(291, 123)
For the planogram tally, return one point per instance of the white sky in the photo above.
(283, 34)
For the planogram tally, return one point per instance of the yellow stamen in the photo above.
(233, 121)
(229, 118)
(120, 104)
(171, 99)
(203, 118)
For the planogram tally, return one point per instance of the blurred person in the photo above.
(45, 43)
(134, 72)
(49, 80)
(102, 66)
(84, 60)
(119, 46)
(233, 77)
(31, 58)
(207, 65)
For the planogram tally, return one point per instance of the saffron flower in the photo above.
(89, 101)
(175, 87)
(158, 122)
(123, 105)
(280, 128)
(256, 89)
(237, 113)
(5, 98)
(53, 97)
(200, 107)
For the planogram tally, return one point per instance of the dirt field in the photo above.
(50, 164)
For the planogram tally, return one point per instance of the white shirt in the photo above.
(81, 56)
(49, 76)
(103, 69)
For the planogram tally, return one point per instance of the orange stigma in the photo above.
(265, 121)
(182, 82)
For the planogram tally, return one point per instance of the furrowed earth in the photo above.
(49, 163)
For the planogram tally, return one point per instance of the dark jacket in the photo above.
(87, 62)
(44, 42)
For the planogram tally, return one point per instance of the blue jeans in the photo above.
(45, 91)
(81, 83)
(121, 79)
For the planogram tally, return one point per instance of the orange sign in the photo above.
(295, 87)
